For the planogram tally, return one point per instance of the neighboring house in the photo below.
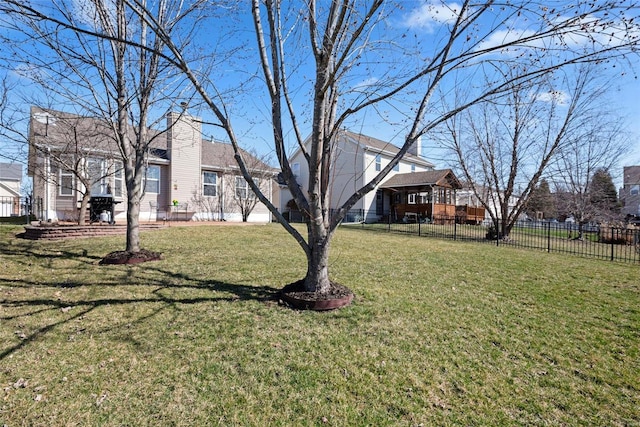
(10, 183)
(200, 175)
(466, 197)
(412, 190)
(630, 191)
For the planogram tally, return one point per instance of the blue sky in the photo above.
(418, 20)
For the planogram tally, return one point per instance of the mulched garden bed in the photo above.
(124, 257)
(295, 296)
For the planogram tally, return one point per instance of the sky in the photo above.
(407, 26)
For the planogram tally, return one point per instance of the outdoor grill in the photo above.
(101, 209)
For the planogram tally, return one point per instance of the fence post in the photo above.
(612, 244)
(549, 237)
(455, 228)
(389, 222)
(419, 227)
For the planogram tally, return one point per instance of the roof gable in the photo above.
(441, 178)
(378, 145)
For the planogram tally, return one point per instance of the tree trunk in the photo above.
(133, 175)
(82, 214)
(133, 224)
(317, 278)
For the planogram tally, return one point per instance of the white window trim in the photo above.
(118, 176)
(208, 184)
(242, 184)
(66, 173)
(147, 179)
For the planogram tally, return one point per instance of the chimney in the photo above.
(416, 148)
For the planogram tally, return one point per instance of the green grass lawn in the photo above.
(440, 333)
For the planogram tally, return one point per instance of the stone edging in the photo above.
(58, 232)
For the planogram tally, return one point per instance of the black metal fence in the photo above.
(352, 216)
(603, 242)
(15, 209)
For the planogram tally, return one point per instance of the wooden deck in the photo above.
(440, 213)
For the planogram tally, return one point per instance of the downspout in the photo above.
(47, 173)
(222, 196)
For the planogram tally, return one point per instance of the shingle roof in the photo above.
(67, 132)
(441, 178)
(220, 155)
(380, 145)
(10, 172)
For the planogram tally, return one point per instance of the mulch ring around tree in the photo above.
(296, 297)
(125, 257)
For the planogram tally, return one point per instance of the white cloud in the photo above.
(430, 15)
(558, 96)
(371, 81)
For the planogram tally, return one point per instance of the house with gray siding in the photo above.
(630, 191)
(187, 176)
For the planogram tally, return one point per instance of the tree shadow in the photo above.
(231, 293)
(28, 251)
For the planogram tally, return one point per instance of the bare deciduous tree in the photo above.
(346, 43)
(101, 58)
(244, 199)
(505, 144)
(597, 149)
(78, 149)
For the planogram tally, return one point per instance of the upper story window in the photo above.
(152, 180)
(66, 182)
(210, 184)
(397, 167)
(378, 163)
(295, 169)
(635, 190)
(413, 168)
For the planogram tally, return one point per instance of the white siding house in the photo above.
(10, 182)
(358, 159)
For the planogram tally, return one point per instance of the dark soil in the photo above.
(124, 257)
(338, 296)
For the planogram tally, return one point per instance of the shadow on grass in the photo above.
(232, 293)
(32, 251)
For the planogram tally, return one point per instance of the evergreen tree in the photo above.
(541, 200)
(603, 196)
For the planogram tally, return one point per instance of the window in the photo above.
(66, 182)
(152, 180)
(397, 167)
(413, 168)
(118, 179)
(295, 169)
(210, 184)
(96, 174)
(243, 190)
(635, 190)
(378, 163)
(412, 199)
